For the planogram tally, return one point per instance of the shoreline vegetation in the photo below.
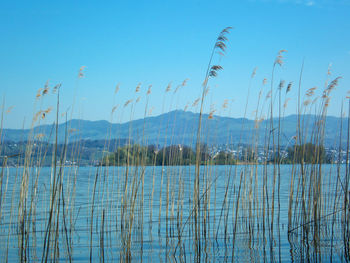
(185, 213)
(183, 155)
(94, 154)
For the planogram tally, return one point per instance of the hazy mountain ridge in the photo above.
(179, 127)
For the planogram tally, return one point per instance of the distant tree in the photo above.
(169, 155)
(223, 158)
(307, 153)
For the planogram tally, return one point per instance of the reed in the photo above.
(206, 212)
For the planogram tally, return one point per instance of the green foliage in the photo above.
(170, 155)
(223, 158)
(306, 153)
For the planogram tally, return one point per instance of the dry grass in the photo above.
(204, 211)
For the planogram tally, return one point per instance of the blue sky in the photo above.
(158, 42)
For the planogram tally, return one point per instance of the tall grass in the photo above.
(138, 211)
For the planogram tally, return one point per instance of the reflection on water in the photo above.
(243, 214)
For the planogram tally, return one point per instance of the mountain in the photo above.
(180, 127)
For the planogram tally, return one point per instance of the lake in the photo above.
(243, 213)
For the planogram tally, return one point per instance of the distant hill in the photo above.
(85, 152)
(179, 127)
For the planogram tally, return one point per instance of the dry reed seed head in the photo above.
(310, 92)
(168, 88)
(226, 30)
(127, 103)
(186, 106)
(333, 84)
(221, 39)
(225, 104)
(279, 58)
(282, 51)
(326, 104)
(35, 118)
(264, 81)
(329, 72)
(150, 110)
(289, 87)
(221, 45)
(114, 108)
(195, 102)
(57, 87)
(117, 88)
(307, 102)
(286, 103)
(9, 109)
(214, 69)
(38, 94)
(211, 115)
(149, 91)
(281, 85)
(184, 83)
(177, 88)
(49, 109)
(45, 91)
(254, 72)
(46, 86)
(81, 72)
(138, 87)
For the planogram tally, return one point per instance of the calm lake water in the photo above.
(149, 214)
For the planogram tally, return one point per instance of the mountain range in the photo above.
(180, 127)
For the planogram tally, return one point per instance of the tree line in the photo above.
(169, 155)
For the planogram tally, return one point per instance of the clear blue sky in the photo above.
(157, 42)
